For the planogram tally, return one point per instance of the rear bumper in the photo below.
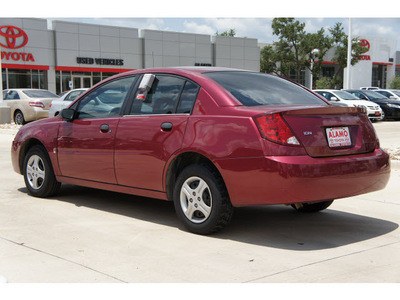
(373, 116)
(35, 114)
(297, 179)
(392, 112)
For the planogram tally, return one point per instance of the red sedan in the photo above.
(208, 139)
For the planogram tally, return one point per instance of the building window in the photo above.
(78, 79)
(20, 78)
(328, 72)
(293, 76)
(397, 72)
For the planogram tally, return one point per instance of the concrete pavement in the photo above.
(85, 235)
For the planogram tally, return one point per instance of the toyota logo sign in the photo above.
(365, 43)
(12, 37)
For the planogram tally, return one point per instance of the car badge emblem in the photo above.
(307, 133)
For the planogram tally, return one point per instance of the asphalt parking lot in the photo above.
(85, 236)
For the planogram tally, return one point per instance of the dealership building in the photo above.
(61, 55)
(64, 55)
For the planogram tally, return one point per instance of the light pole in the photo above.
(349, 52)
(313, 53)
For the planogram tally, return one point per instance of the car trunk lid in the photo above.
(332, 131)
(44, 103)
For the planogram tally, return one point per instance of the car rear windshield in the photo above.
(39, 94)
(252, 89)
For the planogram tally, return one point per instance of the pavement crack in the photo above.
(61, 258)
(321, 261)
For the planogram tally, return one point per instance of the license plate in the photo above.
(338, 137)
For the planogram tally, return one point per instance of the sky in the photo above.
(249, 18)
(259, 28)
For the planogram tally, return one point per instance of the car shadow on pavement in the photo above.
(284, 228)
(274, 226)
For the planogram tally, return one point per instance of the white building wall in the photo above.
(169, 49)
(234, 52)
(94, 41)
(381, 51)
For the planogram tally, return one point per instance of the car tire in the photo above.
(312, 207)
(201, 200)
(19, 118)
(38, 173)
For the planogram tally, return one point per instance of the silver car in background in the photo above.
(64, 101)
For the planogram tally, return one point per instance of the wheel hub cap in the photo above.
(196, 200)
(35, 172)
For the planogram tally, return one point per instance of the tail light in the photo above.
(36, 104)
(274, 128)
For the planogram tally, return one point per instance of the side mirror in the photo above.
(334, 99)
(145, 85)
(68, 114)
(392, 97)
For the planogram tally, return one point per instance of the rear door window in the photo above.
(168, 95)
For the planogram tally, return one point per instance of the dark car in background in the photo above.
(390, 107)
(208, 139)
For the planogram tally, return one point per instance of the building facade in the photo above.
(63, 55)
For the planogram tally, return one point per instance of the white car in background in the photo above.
(369, 88)
(374, 111)
(64, 101)
(391, 94)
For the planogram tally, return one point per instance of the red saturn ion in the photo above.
(208, 139)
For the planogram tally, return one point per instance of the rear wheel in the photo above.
(201, 200)
(312, 207)
(38, 173)
(19, 118)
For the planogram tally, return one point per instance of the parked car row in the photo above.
(379, 104)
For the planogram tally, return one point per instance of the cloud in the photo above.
(195, 27)
(259, 28)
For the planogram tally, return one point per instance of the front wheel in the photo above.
(38, 173)
(312, 207)
(201, 200)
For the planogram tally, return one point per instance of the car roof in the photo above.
(189, 70)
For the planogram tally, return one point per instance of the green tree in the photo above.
(297, 49)
(288, 50)
(268, 60)
(315, 47)
(395, 83)
(230, 32)
(340, 41)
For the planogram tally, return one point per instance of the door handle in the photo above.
(166, 126)
(105, 128)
